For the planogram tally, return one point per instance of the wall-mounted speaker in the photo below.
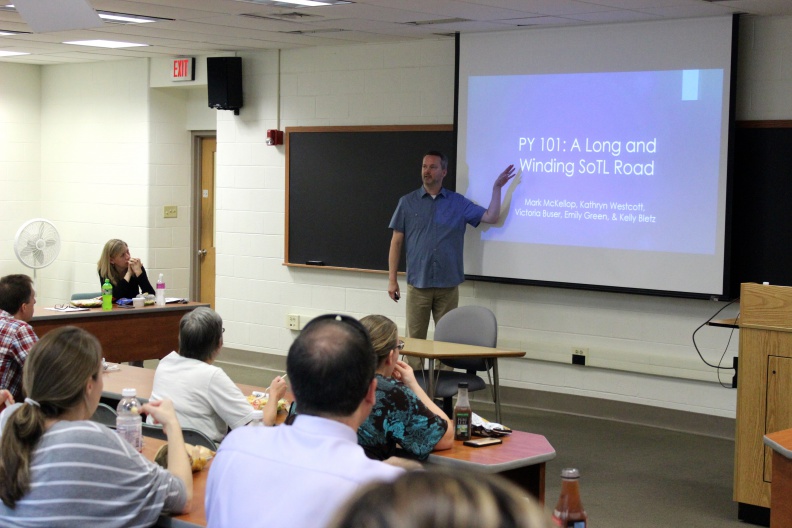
(224, 79)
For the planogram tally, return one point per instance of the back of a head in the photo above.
(200, 333)
(384, 335)
(56, 372)
(15, 290)
(442, 499)
(330, 366)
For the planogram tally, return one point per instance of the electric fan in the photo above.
(37, 244)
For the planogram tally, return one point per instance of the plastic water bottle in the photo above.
(107, 295)
(160, 301)
(129, 424)
(258, 418)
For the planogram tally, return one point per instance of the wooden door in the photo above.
(206, 225)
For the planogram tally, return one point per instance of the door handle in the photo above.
(201, 252)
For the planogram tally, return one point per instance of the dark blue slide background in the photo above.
(581, 126)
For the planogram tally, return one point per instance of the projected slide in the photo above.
(614, 160)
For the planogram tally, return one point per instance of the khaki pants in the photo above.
(421, 303)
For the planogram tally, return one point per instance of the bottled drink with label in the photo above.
(569, 511)
(107, 295)
(258, 418)
(462, 414)
(129, 423)
(160, 296)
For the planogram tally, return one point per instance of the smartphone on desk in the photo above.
(481, 442)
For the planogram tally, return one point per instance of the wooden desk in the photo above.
(431, 350)
(142, 379)
(126, 334)
(781, 487)
(197, 516)
(521, 458)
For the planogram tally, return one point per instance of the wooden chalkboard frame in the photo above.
(417, 139)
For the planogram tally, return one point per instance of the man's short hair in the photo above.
(330, 366)
(443, 158)
(15, 290)
(200, 332)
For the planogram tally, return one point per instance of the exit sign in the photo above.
(183, 69)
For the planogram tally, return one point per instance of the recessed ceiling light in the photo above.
(12, 53)
(104, 43)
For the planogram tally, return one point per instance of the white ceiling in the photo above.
(206, 27)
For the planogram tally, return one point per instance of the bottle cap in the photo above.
(129, 393)
(463, 385)
(570, 473)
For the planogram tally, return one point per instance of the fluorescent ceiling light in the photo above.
(6, 33)
(12, 53)
(126, 18)
(301, 3)
(104, 43)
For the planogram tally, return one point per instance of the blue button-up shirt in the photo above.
(434, 234)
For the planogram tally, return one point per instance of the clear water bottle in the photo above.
(107, 295)
(160, 300)
(258, 418)
(129, 423)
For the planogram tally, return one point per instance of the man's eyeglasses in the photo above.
(400, 345)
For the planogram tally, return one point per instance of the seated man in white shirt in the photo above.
(204, 396)
(315, 464)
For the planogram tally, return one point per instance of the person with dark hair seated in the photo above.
(204, 396)
(58, 468)
(442, 499)
(316, 462)
(404, 421)
(17, 304)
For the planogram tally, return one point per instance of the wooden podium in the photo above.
(764, 391)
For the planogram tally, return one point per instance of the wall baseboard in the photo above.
(255, 368)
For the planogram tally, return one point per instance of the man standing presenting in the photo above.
(299, 474)
(17, 301)
(431, 222)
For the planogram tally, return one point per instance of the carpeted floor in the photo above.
(634, 476)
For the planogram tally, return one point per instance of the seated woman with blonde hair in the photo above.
(58, 468)
(403, 416)
(442, 499)
(126, 273)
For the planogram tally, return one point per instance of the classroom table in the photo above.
(142, 380)
(521, 458)
(431, 350)
(126, 334)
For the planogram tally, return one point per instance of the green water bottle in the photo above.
(107, 295)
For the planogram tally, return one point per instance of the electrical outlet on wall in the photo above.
(293, 321)
(579, 355)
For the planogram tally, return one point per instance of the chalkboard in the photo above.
(761, 248)
(343, 184)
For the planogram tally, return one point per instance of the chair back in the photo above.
(81, 296)
(106, 415)
(191, 436)
(468, 325)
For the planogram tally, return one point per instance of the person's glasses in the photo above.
(224, 330)
(400, 345)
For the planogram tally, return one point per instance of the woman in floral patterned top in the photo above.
(404, 421)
